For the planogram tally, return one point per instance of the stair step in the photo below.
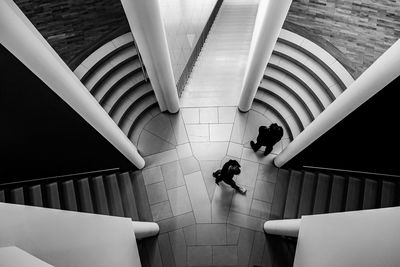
(35, 196)
(84, 196)
(17, 196)
(337, 194)
(113, 195)
(139, 191)
(281, 187)
(353, 194)
(388, 195)
(127, 196)
(99, 196)
(321, 200)
(68, 196)
(370, 194)
(2, 196)
(293, 195)
(52, 196)
(307, 194)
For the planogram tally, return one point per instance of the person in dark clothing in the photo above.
(230, 168)
(268, 137)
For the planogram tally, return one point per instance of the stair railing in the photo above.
(351, 172)
(140, 59)
(58, 178)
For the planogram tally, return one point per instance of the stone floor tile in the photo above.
(239, 127)
(156, 193)
(210, 234)
(246, 221)
(179, 200)
(208, 115)
(260, 209)
(264, 191)
(209, 150)
(248, 173)
(245, 244)
(248, 154)
(178, 245)
(176, 222)
(235, 150)
(199, 255)
(232, 234)
(189, 165)
(190, 235)
(226, 114)
(190, 115)
(172, 173)
(161, 211)
(257, 249)
(220, 132)
(161, 127)
(152, 175)
(184, 151)
(198, 132)
(167, 255)
(179, 128)
(267, 173)
(221, 203)
(242, 203)
(198, 197)
(150, 144)
(207, 169)
(161, 158)
(225, 255)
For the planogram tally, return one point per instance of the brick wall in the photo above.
(360, 29)
(71, 26)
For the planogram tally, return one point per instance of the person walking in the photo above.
(268, 137)
(230, 168)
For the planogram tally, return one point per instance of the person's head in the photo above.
(236, 170)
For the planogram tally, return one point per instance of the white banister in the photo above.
(24, 41)
(145, 229)
(384, 70)
(289, 227)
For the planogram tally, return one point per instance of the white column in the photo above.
(144, 17)
(145, 229)
(270, 17)
(21, 38)
(283, 227)
(384, 70)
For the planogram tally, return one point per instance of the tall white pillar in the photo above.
(289, 227)
(270, 17)
(384, 70)
(22, 39)
(144, 17)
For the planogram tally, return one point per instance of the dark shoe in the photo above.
(266, 153)
(252, 146)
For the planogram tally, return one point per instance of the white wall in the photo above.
(66, 238)
(368, 238)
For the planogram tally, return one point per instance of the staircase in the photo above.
(115, 194)
(299, 193)
(116, 77)
(300, 81)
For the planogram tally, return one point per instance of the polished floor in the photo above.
(217, 76)
(202, 223)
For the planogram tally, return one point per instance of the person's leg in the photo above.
(268, 149)
(235, 186)
(255, 146)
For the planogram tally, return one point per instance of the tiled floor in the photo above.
(203, 224)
